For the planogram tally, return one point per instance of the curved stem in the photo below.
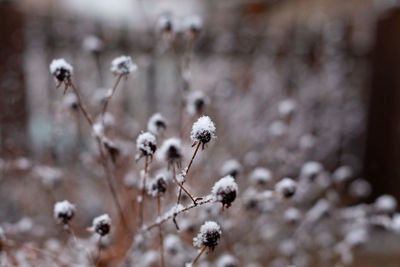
(108, 98)
(81, 106)
(141, 200)
(98, 251)
(198, 256)
(186, 172)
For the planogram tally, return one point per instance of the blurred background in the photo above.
(286, 81)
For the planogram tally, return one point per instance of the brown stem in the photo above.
(198, 255)
(160, 232)
(141, 202)
(98, 251)
(108, 98)
(80, 104)
(187, 171)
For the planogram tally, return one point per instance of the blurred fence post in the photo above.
(13, 112)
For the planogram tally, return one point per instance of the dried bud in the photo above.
(146, 145)
(158, 186)
(209, 235)
(227, 261)
(196, 102)
(203, 130)
(385, 204)
(164, 24)
(102, 224)
(261, 176)
(64, 211)
(286, 187)
(342, 174)
(172, 244)
(93, 44)
(225, 190)
(61, 70)
(171, 151)
(156, 124)
(292, 215)
(311, 169)
(194, 24)
(231, 167)
(71, 101)
(123, 65)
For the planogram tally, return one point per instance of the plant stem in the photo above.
(98, 251)
(141, 202)
(186, 172)
(160, 232)
(81, 105)
(108, 98)
(198, 256)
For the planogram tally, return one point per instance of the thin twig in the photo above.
(169, 215)
(98, 251)
(81, 105)
(141, 202)
(186, 172)
(160, 232)
(108, 98)
(198, 256)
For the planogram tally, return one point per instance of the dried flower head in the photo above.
(227, 260)
(165, 24)
(93, 44)
(342, 174)
(286, 187)
(385, 204)
(102, 224)
(146, 145)
(261, 176)
(360, 188)
(123, 65)
(287, 107)
(225, 190)
(156, 124)
(64, 211)
(194, 24)
(311, 169)
(196, 102)
(171, 151)
(61, 70)
(231, 167)
(172, 244)
(158, 186)
(292, 215)
(203, 130)
(209, 235)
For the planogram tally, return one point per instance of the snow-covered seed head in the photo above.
(61, 70)
(292, 215)
(225, 190)
(311, 169)
(71, 101)
(261, 176)
(102, 224)
(64, 211)
(203, 130)
(209, 235)
(227, 260)
(360, 188)
(156, 124)
(287, 107)
(146, 145)
(194, 24)
(385, 204)
(231, 167)
(286, 187)
(123, 65)
(196, 102)
(171, 151)
(164, 24)
(342, 174)
(172, 244)
(158, 186)
(93, 44)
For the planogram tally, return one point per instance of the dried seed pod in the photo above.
(146, 145)
(61, 70)
(171, 151)
(102, 224)
(203, 130)
(158, 186)
(123, 65)
(156, 124)
(286, 187)
(209, 235)
(225, 190)
(64, 211)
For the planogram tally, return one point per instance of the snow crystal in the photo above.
(123, 65)
(156, 124)
(203, 130)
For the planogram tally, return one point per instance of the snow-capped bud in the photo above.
(61, 70)
(102, 224)
(171, 151)
(123, 65)
(156, 124)
(311, 169)
(360, 188)
(146, 145)
(203, 130)
(287, 107)
(231, 167)
(194, 24)
(209, 235)
(225, 190)
(64, 211)
(98, 129)
(196, 102)
(164, 24)
(227, 260)
(342, 174)
(356, 237)
(292, 215)
(71, 101)
(158, 186)
(93, 44)
(286, 187)
(108, 120)
(261, 176)
(172, 244)
(385, 204)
